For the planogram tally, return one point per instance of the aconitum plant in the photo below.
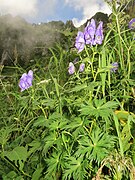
(26, 80)
(91, 35)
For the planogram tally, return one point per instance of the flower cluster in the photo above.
(71, 68)
(91, 35)
(26, 80)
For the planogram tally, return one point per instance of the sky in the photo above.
(37, 11)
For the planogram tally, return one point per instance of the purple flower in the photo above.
(80, 41)
(71, 68)
(90, 36)
(99, 34)
(115, 67)
(132, 24)
(89, 32)
(82, 67)
(26, 80)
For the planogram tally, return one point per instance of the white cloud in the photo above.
(49, 6)
(88, 8)
(19, 7)
(45, 8)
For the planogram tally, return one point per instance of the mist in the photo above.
(19, 7)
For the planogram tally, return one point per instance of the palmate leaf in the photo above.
(99, 109)
(96, 146)
(55, 164)
(75, 168)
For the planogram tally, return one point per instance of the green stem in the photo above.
(120, 43)
(118, 133)
(92, 69)
(102, 65)
(128, 64)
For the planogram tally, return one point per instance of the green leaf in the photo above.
(79, 87)
(5, 134)
(48, 102)
(50, 140)
(10, 175)
(41, 122)
(56, 87)
(110, 104)
(99, 109)
(35, 146)
(18, 154)
(76, 126)
(54, 166)
(36, 175)
(84, 86)
(75, 168)
(126, 137)
(96, 146)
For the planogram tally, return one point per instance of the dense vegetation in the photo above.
(71, 115)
